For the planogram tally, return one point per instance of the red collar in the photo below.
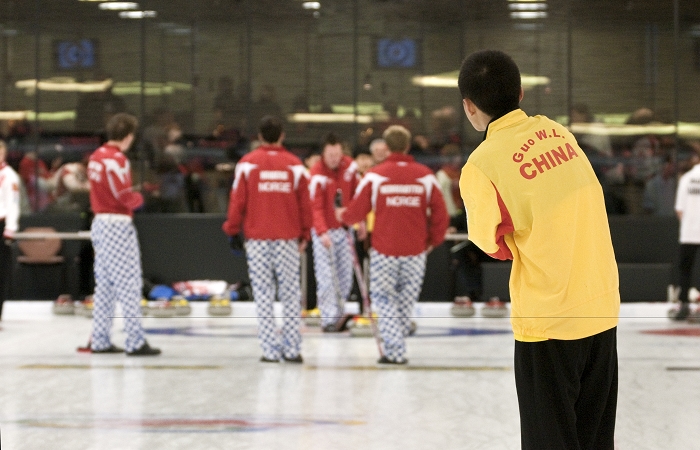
(400, 157)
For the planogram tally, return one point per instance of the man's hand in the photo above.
(361, 231)
(236, 244)
(302, 245)
(325, 240)
(339, 214)
(8, 237)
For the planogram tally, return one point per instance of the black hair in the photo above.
(491, 80)
(361, 150)
(270, 129)
(330, 139)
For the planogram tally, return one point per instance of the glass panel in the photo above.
(211, 68)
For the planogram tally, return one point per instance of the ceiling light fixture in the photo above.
(137, 14)
(528, 15)
(118, 6)
(311, 5)
(527, 6)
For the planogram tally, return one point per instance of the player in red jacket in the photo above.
(270, 204)
(411, 219)
(118, 274)
(335, 174)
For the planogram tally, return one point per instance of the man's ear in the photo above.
(469, 107)
(522, 94)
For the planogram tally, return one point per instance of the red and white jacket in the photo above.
(9, 199)
(111, 191)
(406, 198)
(323, 186)
(270, 196)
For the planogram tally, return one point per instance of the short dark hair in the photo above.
(362, 150)
(120, 126)
(270, 129)
(491, 80)
(330, 139)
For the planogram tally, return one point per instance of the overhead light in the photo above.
(527, 1)
(528, 15)
(450, 80)
(137, 14)
(311, 5)
(44, 116)
(330, 118)
(525, 6)
(118, 6)
(62, 84)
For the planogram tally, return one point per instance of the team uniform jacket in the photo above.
(9, 199)
(531, 196)
(323, 187)
(270, 196)
(688, 203)
(111, 191)
(409, 208)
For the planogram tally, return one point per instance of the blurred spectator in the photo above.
(448, 178)
(37, 180)
(195, 186)
(660, 191)
(174, 148)
(311, 159)
(171, 188)
(645, 160)
(444, 122)
(379, 150)
(155, 135)
(14, 128)
(71, 188)
(364, 160)
(589, 142)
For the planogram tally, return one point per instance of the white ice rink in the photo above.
(208, 390)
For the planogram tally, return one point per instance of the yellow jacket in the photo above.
(531, 196)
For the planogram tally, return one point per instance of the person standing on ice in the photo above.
(270, 204)
(410, 220)
(118, 275)
(9, 219)
(687, 206)
(334, 173)
(531, 196)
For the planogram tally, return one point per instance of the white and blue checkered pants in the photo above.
(395, 285)
(273, 266)
(333, 270)
(117, 278)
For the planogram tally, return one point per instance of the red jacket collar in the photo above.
(400, 157)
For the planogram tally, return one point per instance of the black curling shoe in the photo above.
(268, 360)
(144, 350)
(385, 360)
(111, 349)
(297, 359)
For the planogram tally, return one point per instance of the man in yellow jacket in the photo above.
(531, 196)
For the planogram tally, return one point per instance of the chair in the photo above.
(37, 258)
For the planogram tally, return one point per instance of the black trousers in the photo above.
(5, 267)
(686, 258)
(567, 392)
